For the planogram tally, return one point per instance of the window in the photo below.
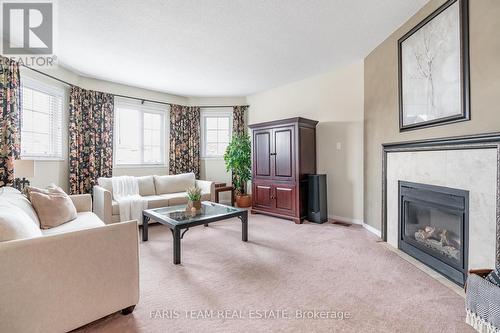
(139, 133)
(41, 131)
(216, 128)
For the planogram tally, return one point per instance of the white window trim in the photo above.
(46, 88)
(208, 112)
(147, 107)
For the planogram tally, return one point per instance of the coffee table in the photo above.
(177, 218)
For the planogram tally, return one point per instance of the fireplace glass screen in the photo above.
(433, 224)
(437, 231)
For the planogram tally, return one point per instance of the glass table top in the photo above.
(179, 215)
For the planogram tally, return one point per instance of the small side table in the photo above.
(222, 187)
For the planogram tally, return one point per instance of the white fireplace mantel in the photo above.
(467, 163)
(471, 170)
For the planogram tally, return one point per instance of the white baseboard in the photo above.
(346, 219)
(357, 221)
(371, 229)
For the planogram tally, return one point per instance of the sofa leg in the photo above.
(128, 310)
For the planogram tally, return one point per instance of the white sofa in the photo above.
(158, 191)
(68, 276)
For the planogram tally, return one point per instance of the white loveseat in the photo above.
(68, 276)
(158, 191)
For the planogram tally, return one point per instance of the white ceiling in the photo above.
(220, 47)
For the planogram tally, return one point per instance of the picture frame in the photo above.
(433, 69)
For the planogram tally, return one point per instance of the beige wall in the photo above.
(47, 172)
(335, 99)
(381, 95)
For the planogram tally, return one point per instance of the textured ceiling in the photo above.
(220, 47)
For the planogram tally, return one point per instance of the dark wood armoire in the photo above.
(284, 153)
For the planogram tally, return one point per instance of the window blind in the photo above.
(41, 130)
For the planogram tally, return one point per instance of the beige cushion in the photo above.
(50, 189)
(6, 190)
(16, 224)
(154, 201)
(105, 183)
(157, 201)
(84, 220)
(174, 183)
(179, 198)
(13, 197)
(146, 185)
(54, 208)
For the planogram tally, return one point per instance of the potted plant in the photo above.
(239, 162)
(194, 199)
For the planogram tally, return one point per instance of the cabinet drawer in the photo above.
(284, 198)
(262, 196)
(275, 197)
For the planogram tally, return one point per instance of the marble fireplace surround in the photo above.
(468, 162)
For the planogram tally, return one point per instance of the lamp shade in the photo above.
(24, 169)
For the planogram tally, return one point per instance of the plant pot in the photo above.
(243, 201)
(193, 204)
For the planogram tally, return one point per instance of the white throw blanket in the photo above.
(130, 203)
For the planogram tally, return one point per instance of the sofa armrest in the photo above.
(206, 186)
(67, 280)
(82, 202)
(103, 201)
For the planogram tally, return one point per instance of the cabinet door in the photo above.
(283, 154)
(262, 196)
(284, 196)
(262, 153)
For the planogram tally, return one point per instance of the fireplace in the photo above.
(433, 227)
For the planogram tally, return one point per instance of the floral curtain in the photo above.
(239, 126)
(90, 138)
(10, 119)
(184, 140)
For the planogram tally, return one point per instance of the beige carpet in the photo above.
(340, 270)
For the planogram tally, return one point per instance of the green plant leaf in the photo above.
(239, 161)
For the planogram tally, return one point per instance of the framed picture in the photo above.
(434, 69)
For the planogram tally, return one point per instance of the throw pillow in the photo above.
(494, 277)
(32, 189)
(146, 185)
(16, 224)
(53, 208)
(174, 183)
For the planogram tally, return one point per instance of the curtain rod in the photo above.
(52, 77)
(124, 96)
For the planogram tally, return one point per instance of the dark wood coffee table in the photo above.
(176, 218)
